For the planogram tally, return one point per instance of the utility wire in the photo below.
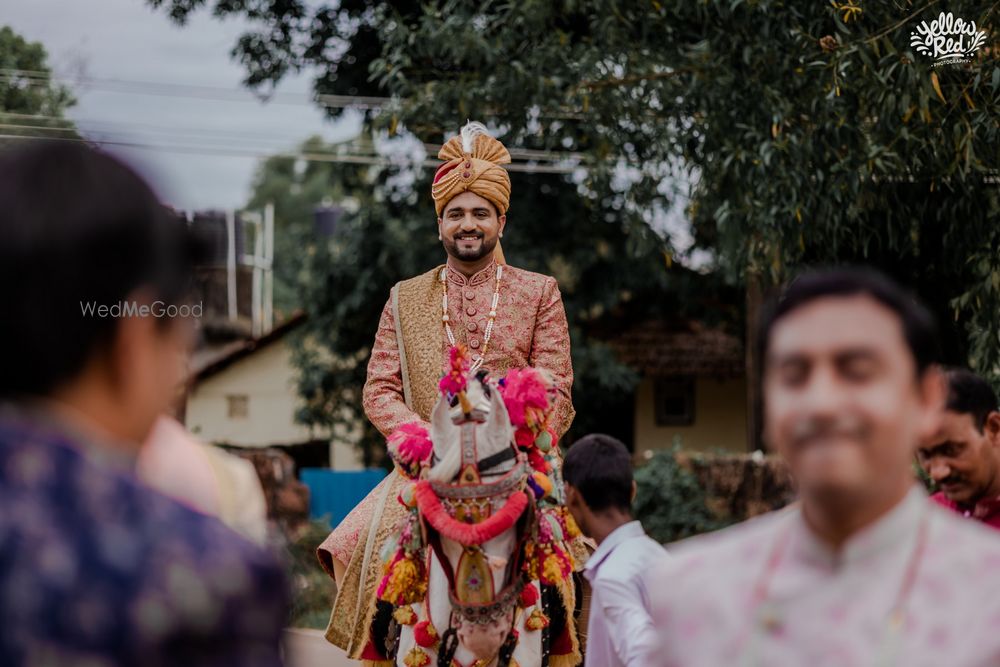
(309, 157)
(85, 125)
(201, 91)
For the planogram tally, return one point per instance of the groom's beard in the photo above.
(486, 246)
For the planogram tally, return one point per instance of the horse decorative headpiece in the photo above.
(485, 525)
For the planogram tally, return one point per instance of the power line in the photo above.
(94, 124)
(222, 93)
(309, 157)
(202, 91)
(197, 91)
(123, 127)
(264, 143)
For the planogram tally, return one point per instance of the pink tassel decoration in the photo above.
(525, 393)
(454, 380)
(410, 447)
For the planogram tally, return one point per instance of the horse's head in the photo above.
(468, 428)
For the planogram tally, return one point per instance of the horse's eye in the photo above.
(481, 375)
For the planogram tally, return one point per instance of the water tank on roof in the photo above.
(210, 227)
(326, 218)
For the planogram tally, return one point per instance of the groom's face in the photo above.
(470, 227)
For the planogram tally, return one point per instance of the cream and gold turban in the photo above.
(473, 160)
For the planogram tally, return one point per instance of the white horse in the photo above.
(474, 587)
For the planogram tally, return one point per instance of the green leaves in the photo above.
(669, 501)
(31, 103)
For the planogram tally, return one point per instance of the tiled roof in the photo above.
(655, 349)
(208, 363)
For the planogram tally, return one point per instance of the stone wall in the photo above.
(740, 486)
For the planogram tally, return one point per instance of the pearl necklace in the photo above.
(480, 358)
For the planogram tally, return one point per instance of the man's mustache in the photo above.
(811, 428)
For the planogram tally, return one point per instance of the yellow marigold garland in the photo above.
(417, 658)
(405, 615)
(537, 620)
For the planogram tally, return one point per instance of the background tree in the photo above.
(29, 98)
(802, 132)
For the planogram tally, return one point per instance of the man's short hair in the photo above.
(77, 227)
(918, 325)
(600, 468)
(969, 394)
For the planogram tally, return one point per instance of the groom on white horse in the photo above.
(479, 573)
(507, 317)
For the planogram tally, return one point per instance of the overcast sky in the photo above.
(96, 44)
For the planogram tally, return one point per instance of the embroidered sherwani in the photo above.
(408, 358)
(827, 609)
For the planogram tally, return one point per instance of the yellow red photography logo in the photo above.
(947, 39)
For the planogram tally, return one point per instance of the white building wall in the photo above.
(267, 378)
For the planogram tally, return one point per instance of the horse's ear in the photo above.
(501, 432)
(440, 420)
(444, 435)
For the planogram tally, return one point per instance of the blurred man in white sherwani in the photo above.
(864, 570)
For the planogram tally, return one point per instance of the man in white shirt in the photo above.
(864, 570)
(599, 492)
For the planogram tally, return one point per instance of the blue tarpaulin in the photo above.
(334, 493)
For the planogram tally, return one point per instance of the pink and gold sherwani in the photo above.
(408, 358)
